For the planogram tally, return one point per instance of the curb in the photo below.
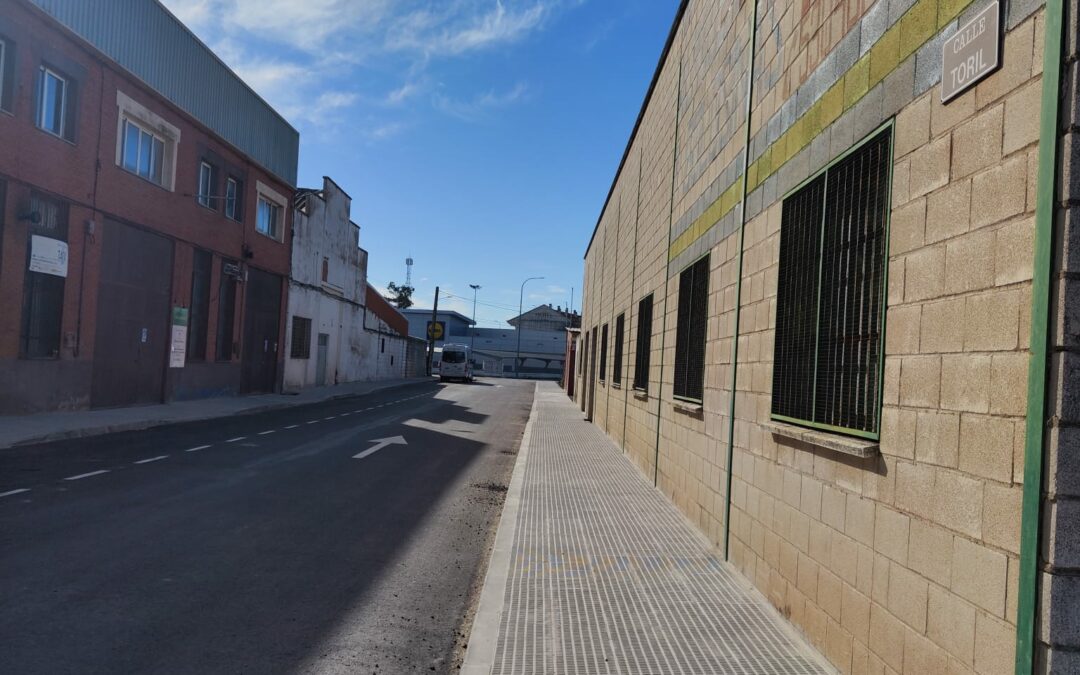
(142, 425)
(484, 636)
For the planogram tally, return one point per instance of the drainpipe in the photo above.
(1042, 271)
(738, 283)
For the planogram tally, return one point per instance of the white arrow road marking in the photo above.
(381, 443)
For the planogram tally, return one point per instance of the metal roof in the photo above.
(153, 45)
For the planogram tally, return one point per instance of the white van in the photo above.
(456, 363)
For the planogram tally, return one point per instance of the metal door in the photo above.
(132, 333)
(320, 361)
(262, 319)
(592, 377)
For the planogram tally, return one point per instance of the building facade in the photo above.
(828, 309)
(547, 318)
(144, 223)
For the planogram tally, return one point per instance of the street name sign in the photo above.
(972, 53)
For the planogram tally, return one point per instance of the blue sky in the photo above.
(478, 136)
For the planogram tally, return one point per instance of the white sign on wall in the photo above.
(48, 256)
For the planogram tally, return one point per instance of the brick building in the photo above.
(852, 363)
(144, 212)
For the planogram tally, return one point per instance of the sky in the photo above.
(479, 137)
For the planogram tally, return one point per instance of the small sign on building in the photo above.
(48, 256)
(972, 53)
(178, 345)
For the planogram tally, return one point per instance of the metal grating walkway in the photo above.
(607, 577)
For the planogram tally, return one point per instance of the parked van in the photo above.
(456, 363)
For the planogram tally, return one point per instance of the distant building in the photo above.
(145, 227)
(453, 325)
(546, 317)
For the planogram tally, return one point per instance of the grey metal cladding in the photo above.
(152, 44)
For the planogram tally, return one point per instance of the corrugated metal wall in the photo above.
(143, 37)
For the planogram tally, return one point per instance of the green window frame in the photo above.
(829, 348)
(691, 332)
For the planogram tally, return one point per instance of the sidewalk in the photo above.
(594, 571)
(44, 427)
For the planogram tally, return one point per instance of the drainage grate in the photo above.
(606, 576)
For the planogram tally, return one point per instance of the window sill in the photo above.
(857, 447)
(688, 407)
(641, 395)
(268, 236)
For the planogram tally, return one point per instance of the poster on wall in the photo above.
(178, 348)
(48, 256)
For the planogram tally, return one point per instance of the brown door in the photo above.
(592, 377)
(262, 316)
(132, 335)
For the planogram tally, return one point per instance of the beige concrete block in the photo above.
(924, 274)
(807, 580)
(907, 226)
(860, 655)
(965, 382)
(844, 558)
(1001, 516)
(930, 166)
(820, 541)
(957, 504)
(948, 212)
(1022, 117)
(864, 582)
(830, 593)
(977, 142)
(979, 575)
(896, 281)
(1016, 59)
(913, 126)
(898, 432)
(856, 614)
(907, 597)
(885, 632)
(920, 381)
(930, 551)
(986, 447)
(901, 183)
(936, 438)
(999, 192)
(891, 534)
(810, 499)
(902, 329)
(921, 656)
(815, 625)
(859, 521)
(995, 646)
(1014, 252)
(1012, 588)
(942, 332)
(944, 117)
(969, 262)
(833, 507)
(950, 624)
(914, 489)
(992, 321)
(1009, 383)
(891, 386)
(838, 647)
(879, 590)
(879, 484)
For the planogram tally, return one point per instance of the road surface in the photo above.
(260, 543)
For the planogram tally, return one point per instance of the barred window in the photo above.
(620, 329)
(643, 347)
(43, 285)
(603, 353)
(690, 331)
(830, 295)
(301, 338)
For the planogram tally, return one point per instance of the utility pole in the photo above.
(431, 332)
(472, 342)
(521, 299)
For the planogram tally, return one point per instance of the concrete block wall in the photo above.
(907, 561)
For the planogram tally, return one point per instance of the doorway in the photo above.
(262, 317)
(320, 360)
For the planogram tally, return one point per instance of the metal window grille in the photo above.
(690, 331)
(830, 295)
(620, 329)
(301, 338)
(603, 353)
(643, 346)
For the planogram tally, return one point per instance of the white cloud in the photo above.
(479, 106)
(462, 28)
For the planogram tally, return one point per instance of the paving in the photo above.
(595, 571)
(54, 426)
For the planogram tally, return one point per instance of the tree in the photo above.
(400, 296)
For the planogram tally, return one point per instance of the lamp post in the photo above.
(472, 342)
(521, 300)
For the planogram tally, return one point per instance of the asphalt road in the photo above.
(260, 544)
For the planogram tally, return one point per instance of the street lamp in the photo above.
(472, 343)
(521, 300)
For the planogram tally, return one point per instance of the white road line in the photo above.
(151, 459)
(329, 418)
(313, 422)
(266, 433)
(14, 492)
(87, 475)
(359, 410)
(292, 426)
(344, 414)
(238, 438)
(197, 448)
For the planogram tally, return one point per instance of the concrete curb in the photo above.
(484, 636)
(142, 425)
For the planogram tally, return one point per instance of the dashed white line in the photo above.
(197, 448)
(238, 438)
(313, 422)
(151, 459)
(87, 475)
(292, 426)
(14, 492)
(266, 433)
(329, 418)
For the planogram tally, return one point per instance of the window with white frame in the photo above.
(145, 143)
(143, 153)
(270, 212)
(206, 184)
(52, 109)
(232, 196)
